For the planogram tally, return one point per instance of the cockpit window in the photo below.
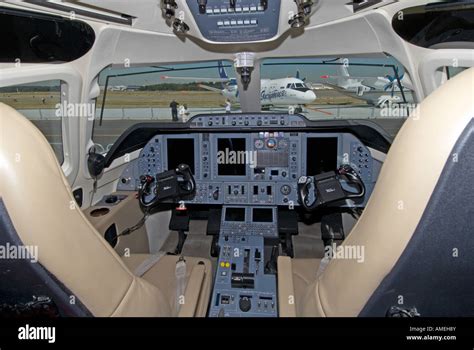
(451, 72)
(160, 94)
(339, 88)
(41, 103)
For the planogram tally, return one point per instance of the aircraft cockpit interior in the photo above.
(242, 158)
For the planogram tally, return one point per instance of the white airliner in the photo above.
(374, 90)
(283, 92)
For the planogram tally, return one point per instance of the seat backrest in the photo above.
(37, 200)
(417, 229)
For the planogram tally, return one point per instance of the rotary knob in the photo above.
(245, 304)
(285, 190)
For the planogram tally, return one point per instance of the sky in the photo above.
(285, 68)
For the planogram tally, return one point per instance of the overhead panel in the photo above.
(239, 21)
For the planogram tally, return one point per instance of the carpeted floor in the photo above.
(308, 242)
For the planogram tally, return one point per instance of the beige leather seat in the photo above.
(36, 198)
(416, 229)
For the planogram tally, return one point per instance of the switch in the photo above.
(202, 6)
(258, 255)
(269, 190)
(215, 194)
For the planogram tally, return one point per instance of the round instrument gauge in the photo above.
(271, 143)
(283, 144)
(259, 144)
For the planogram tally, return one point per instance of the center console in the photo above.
(245, 282)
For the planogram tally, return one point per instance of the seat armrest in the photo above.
(286, 290)
(193, 291)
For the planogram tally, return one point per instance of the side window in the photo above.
(39, 103)
(451, 72)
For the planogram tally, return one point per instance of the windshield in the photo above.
(160, 94)
(339, 88)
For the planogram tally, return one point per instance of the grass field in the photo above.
(156, 99)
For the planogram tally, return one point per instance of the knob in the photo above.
(209, 123)
(125, 180)
(246, 123)
(215, 194)
(259, 123)
(234, 123)
(245, 304)
(285, 190)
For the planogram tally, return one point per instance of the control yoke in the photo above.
(326, 188)
(167, 187)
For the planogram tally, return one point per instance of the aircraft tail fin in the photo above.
(342, 69)
(222, 72)
(223, 75)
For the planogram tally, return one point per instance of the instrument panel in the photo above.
(241, 166)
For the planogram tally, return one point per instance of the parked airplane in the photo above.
(374, 90)
(283, 92)
(124, 88)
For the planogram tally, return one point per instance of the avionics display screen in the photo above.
(262, 215)
(180, 151)
(321, 155)
(231, 157)
(235, 214)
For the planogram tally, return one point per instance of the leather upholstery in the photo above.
(43, 211)
(407, 180)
